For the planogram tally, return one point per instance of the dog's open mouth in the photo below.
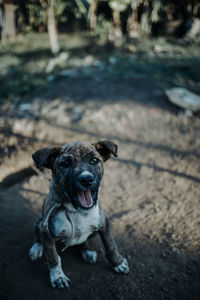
(86, 199)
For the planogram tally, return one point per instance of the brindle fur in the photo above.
(59, 201)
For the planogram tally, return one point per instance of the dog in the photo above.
(71, 212)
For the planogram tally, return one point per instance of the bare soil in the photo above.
(151, 193)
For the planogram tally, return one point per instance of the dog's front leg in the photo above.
(57, 277)
(119, 263)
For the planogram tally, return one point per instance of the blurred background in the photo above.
(125, 70)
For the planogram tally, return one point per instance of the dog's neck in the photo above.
(56, 195)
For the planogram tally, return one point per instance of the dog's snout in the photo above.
(86, 179)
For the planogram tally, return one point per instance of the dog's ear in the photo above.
(45, 157)
(106, 149)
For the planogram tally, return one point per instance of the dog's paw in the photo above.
(89, 256)
(36, 251)
(122, 268)
(57, 277)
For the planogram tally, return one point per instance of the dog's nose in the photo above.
(86, 179)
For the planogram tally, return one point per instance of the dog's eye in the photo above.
(95, 160)
(66, 163)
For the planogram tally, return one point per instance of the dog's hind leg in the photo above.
(119, 263)
(88, 255)
(36, 250)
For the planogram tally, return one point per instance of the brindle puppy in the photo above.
(71, 212)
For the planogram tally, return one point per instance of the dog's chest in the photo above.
(74, 228)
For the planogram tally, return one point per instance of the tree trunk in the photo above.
(145, 23)
(93, 15)
(2, 24)
(133, 24)
(9, 26)
(116, 18)
(52, 31)
(117, 30)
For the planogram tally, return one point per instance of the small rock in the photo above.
(70, 72)
(156, 210)
(163, 254)
(88, 60)
(24, 126)
(58, 61)
(76, 114)
(50, 78)
(193, 26)
(157, 49)
(131, 48)
(188, 113)
(112, 59)
(24, 106)
(184, 98)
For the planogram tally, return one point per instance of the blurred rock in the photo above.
(184, 98)
(88, 60)
(131, 48)
(112, 59)
(57, 62)
(99, 65)
(188, 113)
(24, 106)
(159, 49)
(24, 127)
(50, 78)
(70, 72)
(76, 114)
(193, 26)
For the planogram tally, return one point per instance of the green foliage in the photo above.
(81, 9)
(149, 11)
(119, 5)
(102, 30)
(37, 14)
(157, 7)
(38, 11)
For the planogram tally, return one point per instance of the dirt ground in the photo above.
(151, 192)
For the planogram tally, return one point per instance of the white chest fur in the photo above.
(74, 228)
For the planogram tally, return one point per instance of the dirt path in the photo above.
(151, 193)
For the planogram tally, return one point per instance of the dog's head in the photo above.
(77, 169)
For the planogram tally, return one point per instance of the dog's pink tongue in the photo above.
(85, 199)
